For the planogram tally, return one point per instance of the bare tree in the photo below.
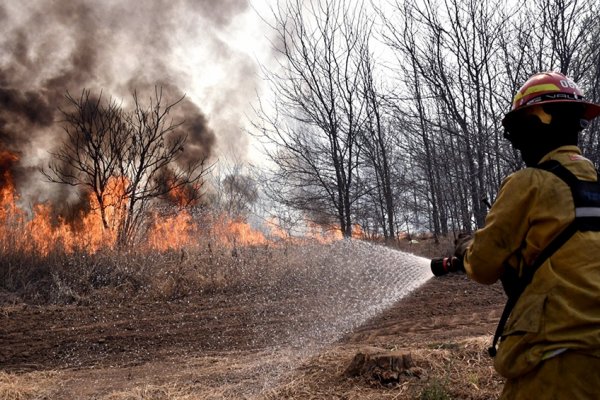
(318, 113)
(337, 136)
(235, 188)
(377, 142)
(139, 151)
(591, 82)
(569, 25)
(154, 151)
(96, 133)
(572, 47)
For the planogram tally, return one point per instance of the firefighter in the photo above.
(550, 345)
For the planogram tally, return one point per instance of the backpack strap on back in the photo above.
(586, 196)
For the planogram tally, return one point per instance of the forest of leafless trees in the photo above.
(389, 117)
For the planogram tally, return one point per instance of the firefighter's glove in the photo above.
(461, 244)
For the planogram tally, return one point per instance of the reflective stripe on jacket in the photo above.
(561, 306)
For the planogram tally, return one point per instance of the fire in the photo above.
(242, 233)
(234, 232)
(183, 196)
(42, 231)
(8, 196)
(49, 232)
(112, 211)
(172, 232)
(10, 215)
(323, 234)
(357, 231)
(276, 232)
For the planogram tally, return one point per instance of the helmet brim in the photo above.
(591, 110)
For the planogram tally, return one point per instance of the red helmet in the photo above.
(551, 87)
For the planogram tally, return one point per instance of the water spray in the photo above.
(339, 287)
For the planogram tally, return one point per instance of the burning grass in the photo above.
(176, 251)
(112, 220)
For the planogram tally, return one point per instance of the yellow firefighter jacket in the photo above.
(560, 309)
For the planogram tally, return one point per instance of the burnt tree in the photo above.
(127, 159)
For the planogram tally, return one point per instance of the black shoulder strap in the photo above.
(571, 180)
(557, 169)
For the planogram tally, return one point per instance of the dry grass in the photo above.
(109, 275)
(459, 370)
(115, 276)
(453, 370)
(153, 392)
(28, 386)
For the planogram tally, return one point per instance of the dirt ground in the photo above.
(255, 343)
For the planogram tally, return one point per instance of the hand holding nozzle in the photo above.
(444, 265)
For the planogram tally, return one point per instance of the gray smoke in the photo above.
(50, 47)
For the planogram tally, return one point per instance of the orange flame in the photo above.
(8, 195)
(11, 216)
(323, 234)
(232, 232)
(183, 196)
(172, 232)
(276, 232)
(41, 231)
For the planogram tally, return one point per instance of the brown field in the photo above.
(266, 324)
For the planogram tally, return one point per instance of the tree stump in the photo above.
(382, 367)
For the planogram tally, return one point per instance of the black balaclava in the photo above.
(534, 138)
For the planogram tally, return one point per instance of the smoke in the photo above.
(201, 139)
(50, 48)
